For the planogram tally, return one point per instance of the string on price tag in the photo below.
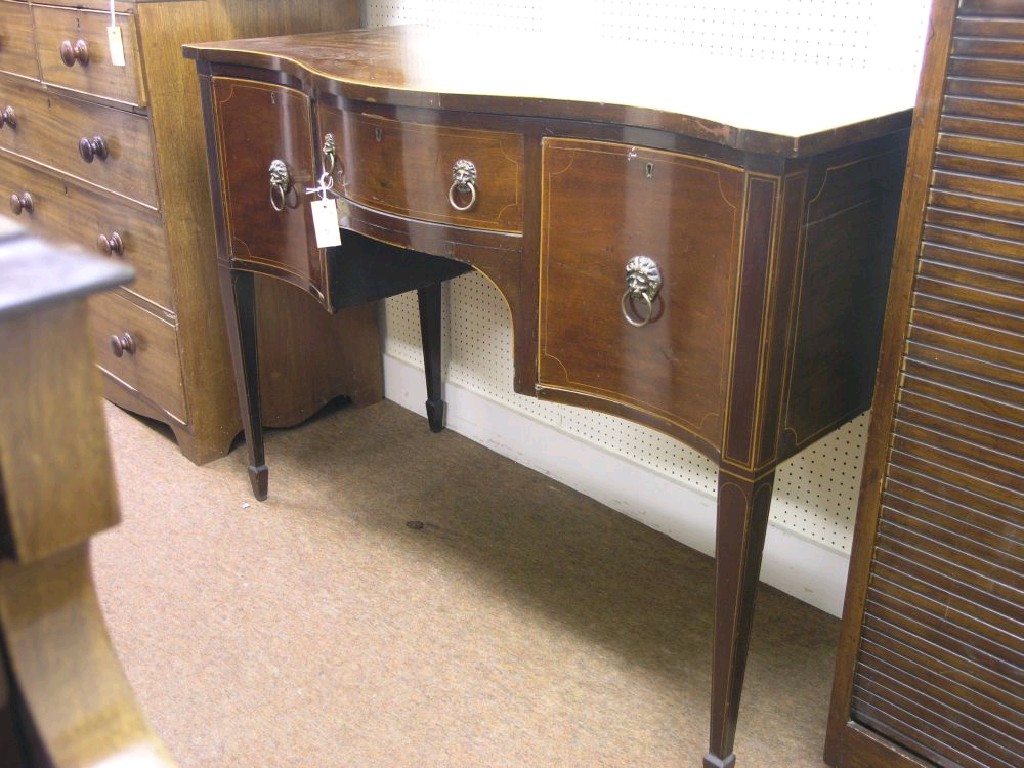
(325, 213)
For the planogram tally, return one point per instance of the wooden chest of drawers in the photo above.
(111, 158)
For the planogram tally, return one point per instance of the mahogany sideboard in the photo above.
(930, 670)
(715, 268)
(105, 157)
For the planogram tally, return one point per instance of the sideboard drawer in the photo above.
(148, 361)
(407, 169)
(602, 205)
(17, 52)
(84, 32)
(65, 211)
(50, 130)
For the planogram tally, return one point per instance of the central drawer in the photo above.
(406, 168)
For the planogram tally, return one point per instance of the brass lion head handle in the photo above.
(280, 184)
(643, 283)
(463, 182)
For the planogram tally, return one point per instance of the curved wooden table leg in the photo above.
(743, 506)
(69, 694)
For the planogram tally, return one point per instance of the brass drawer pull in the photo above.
(330, 152)
(21, 203)
(7, 117)
(463, 182)
(111, 245)
(280, 184)
(72, 52)
(120, 345)
(96, 147)
(643, 282)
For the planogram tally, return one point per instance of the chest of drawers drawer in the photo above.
(139, 349)
(17, 51)
(96, 223)
(74, 53)
(409, 169)
(111, 148)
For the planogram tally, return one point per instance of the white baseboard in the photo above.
(793, 564)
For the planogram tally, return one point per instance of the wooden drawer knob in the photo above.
(122, 344)
(72, 52)
(95, 147)
(7, 117)
(21, 203)
(111, 245)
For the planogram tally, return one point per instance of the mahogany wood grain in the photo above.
(257, 124)
(605, 203)
(402, 66)
(847, 234)
(931, 656)
(405, 168)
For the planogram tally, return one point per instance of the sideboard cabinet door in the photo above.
(661, 355)
(266, 160)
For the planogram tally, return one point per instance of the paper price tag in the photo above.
(116, 46)
(325, 223)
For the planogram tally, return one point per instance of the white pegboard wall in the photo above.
(816, 492)
(882, 34)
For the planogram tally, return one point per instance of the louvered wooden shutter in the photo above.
(931, 666)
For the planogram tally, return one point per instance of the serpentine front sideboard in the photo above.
(710, 259)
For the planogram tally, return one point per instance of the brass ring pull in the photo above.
(463, 181)
(280, 184)
(643, 283)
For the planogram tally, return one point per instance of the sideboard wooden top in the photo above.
(768, 107)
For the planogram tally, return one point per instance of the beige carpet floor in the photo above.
(408, 599)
